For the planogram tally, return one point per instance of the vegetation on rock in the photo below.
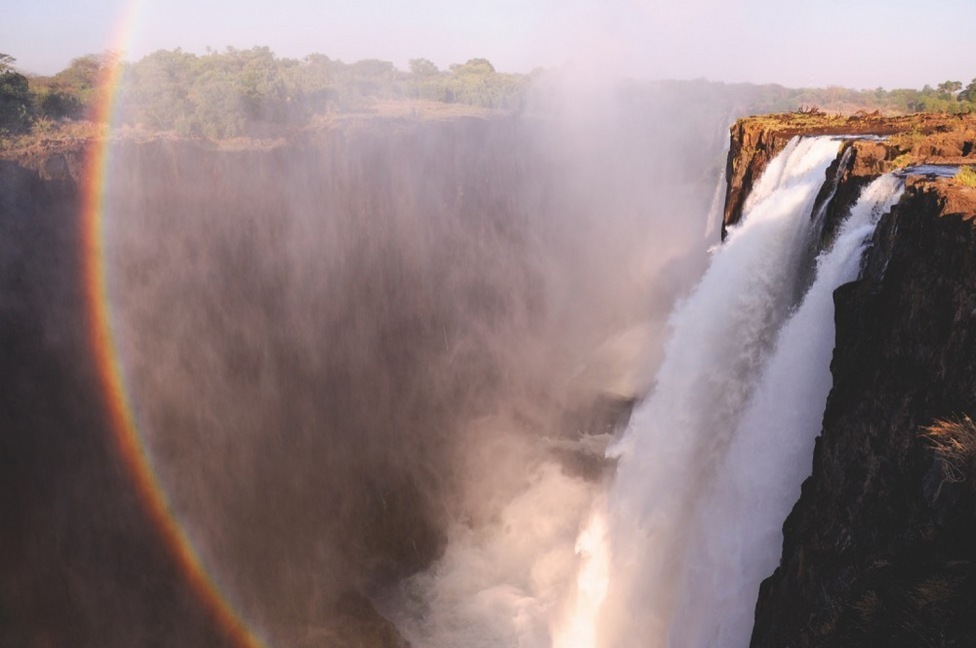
(15, 97)
(966, 176)
(954, 445)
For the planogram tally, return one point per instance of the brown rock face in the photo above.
(880, 550)
(909, 140)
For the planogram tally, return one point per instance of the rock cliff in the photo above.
(880, 548)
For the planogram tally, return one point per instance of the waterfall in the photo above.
(713, 461)
(677, 439)
(843, 164)
(737, 536)
(713, 224)
(819, 218)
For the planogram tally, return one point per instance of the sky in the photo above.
(852, 43)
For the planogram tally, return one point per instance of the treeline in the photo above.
(747, 98)
(224, 94)
(241, 92)
(69, 94)
(229, 93)
(947, 97)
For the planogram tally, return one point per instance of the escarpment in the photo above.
(880, 549)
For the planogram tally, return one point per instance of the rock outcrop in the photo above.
(909, 140)
(880, 549)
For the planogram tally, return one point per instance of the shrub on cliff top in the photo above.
(966, 176)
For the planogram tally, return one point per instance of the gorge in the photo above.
(377, 368)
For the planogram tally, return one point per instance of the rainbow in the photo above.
(117, 401)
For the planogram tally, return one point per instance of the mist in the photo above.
(382, 363)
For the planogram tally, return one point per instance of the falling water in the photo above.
(819, 218)
(737, 537)
(714, 221)
(677, 439)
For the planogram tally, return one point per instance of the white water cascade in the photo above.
(678, 438)
(736, 538)
(713, 461)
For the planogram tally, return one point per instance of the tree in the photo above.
(475, 66)
(422, 67)
(426, 81)
(156, 91)
(259, 86)
(476, 82)
(969, 94)
(948, 89)
(56, 104)
(6, 63)
(15, 97)
(310, 83)
(71, 92)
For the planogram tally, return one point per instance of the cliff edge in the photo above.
(881, 546)
(877, 145)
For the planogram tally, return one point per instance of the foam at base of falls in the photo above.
(506, 583)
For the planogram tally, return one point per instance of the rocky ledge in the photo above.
(884, 144)
(880, 549)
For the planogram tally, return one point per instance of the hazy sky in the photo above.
(856, 43)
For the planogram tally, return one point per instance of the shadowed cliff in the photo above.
(77, 553)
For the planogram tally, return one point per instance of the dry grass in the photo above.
(48, 133)
(868, 606)
(902, 161)
(954, 444)
(908, 140)
(932, 592)
(966, 176)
